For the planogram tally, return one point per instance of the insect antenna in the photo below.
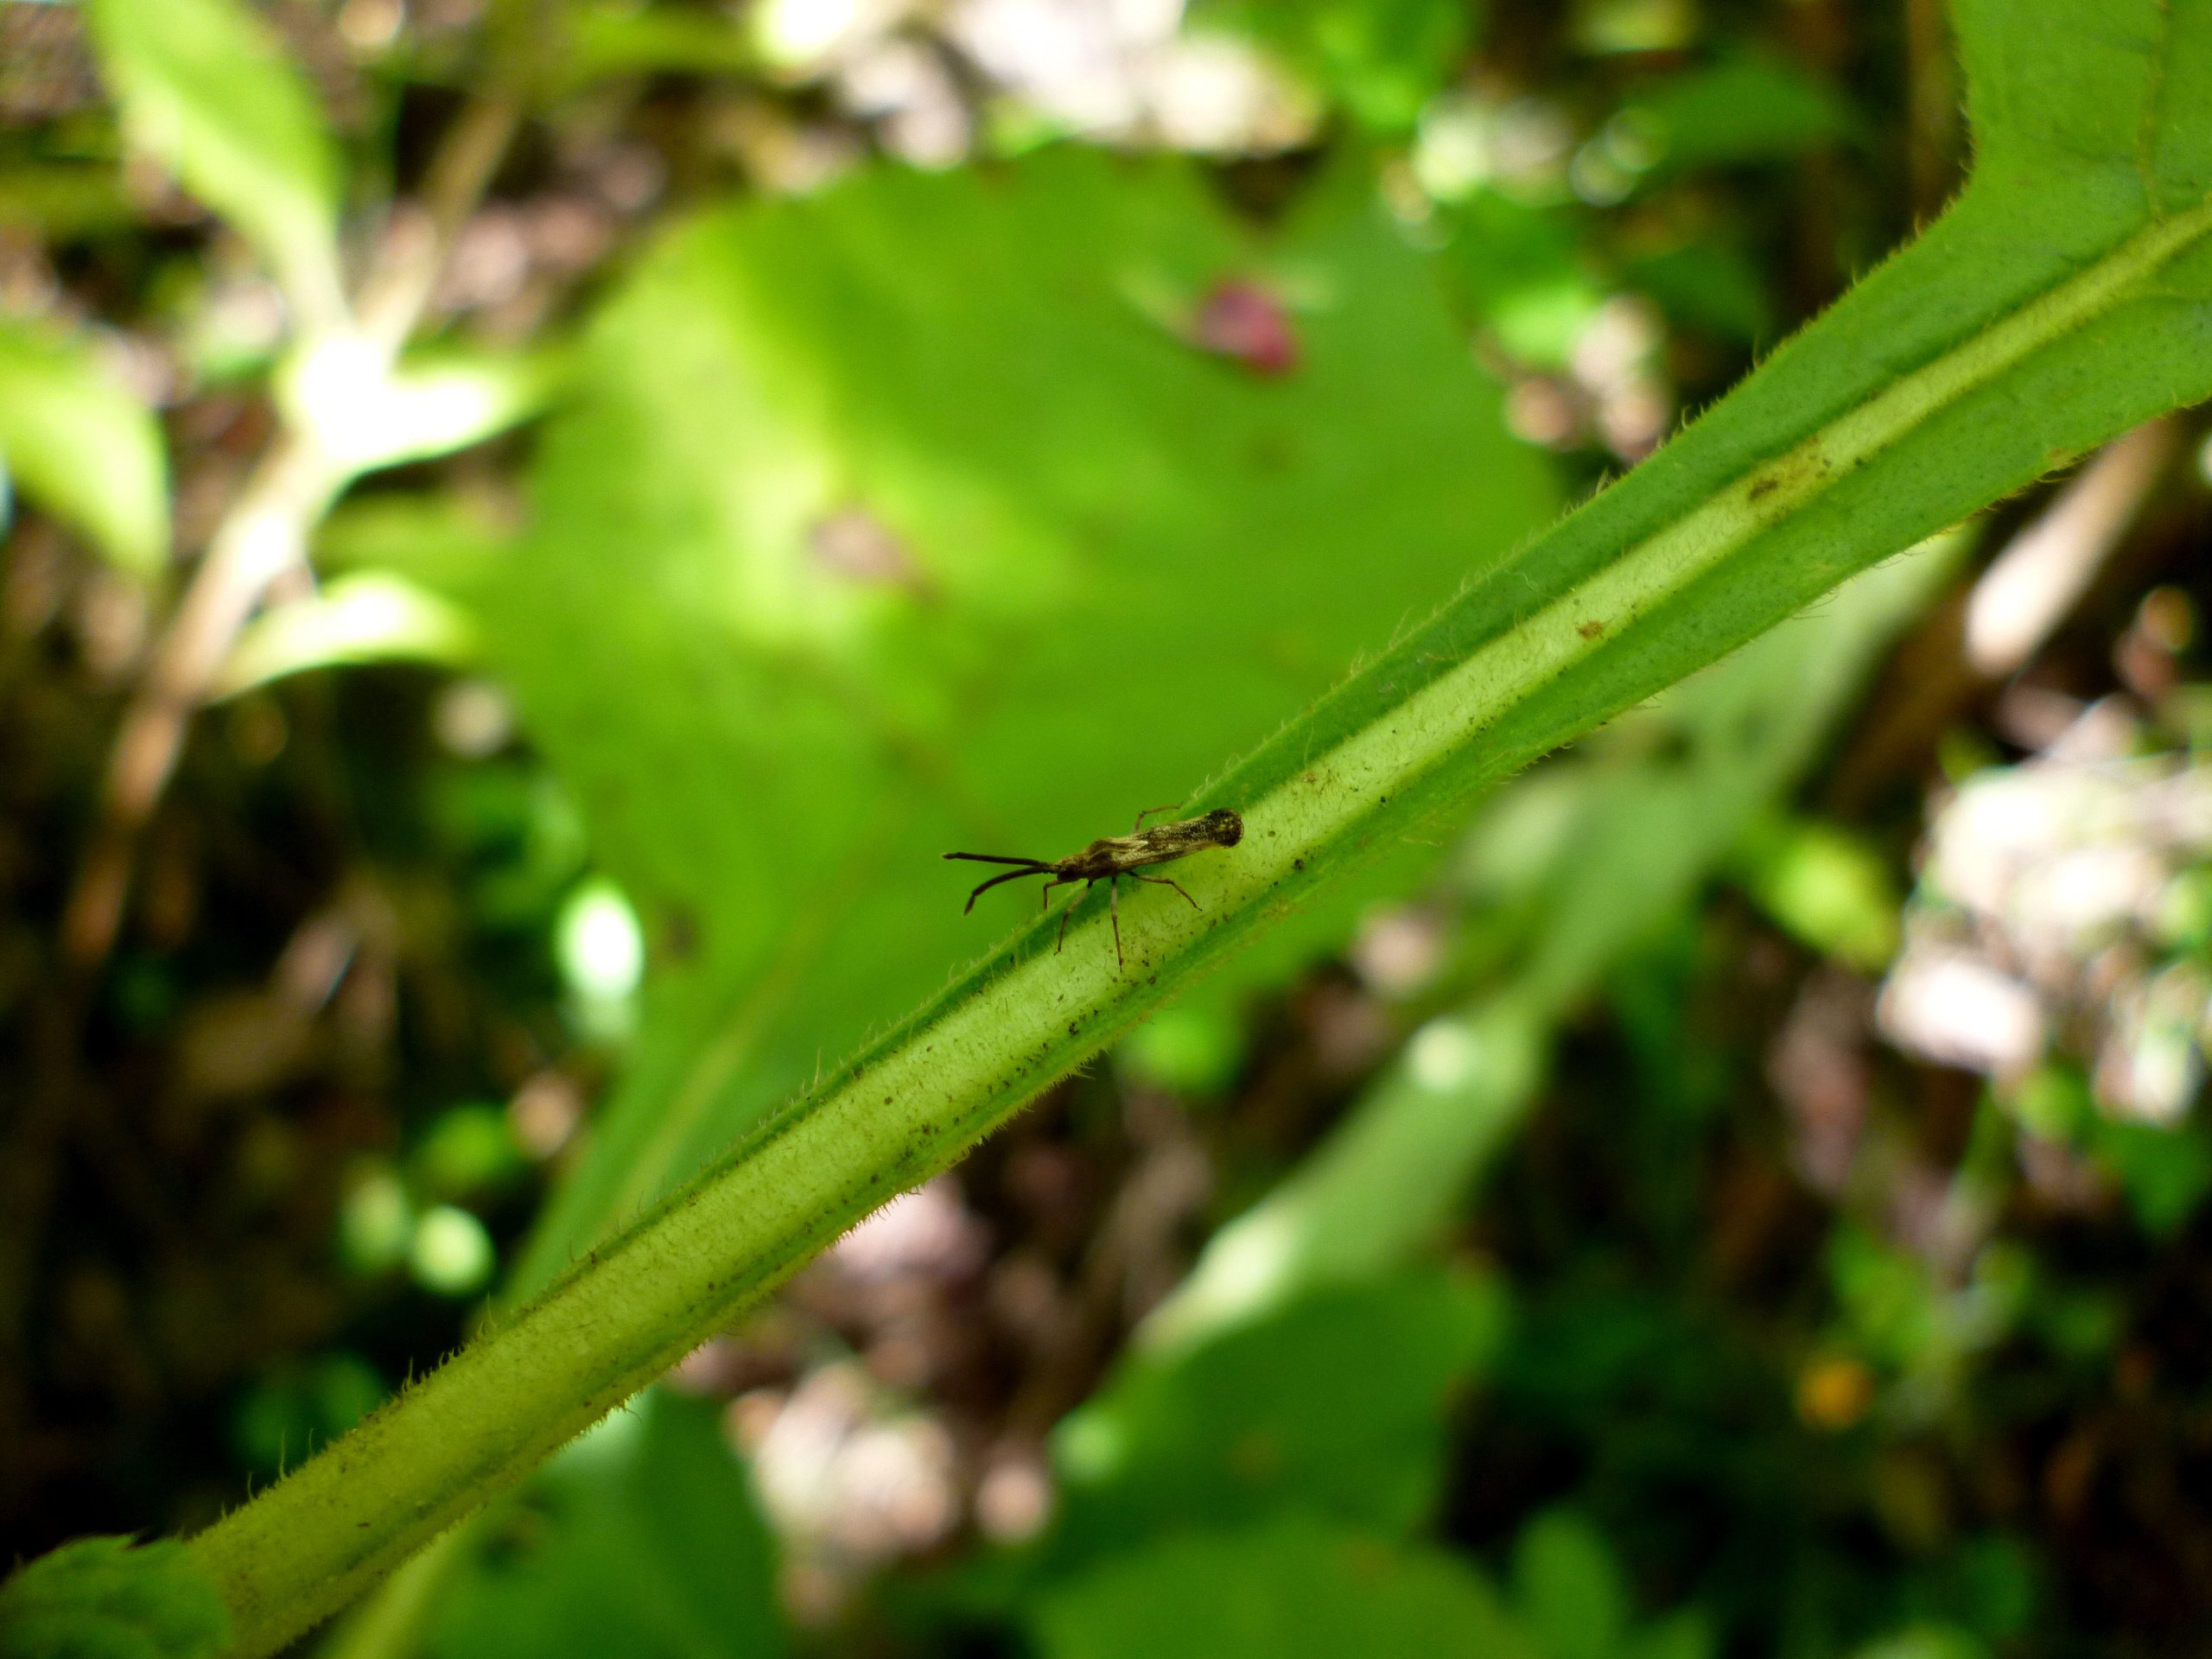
(1028, 866)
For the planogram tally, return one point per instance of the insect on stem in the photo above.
(1111, 858)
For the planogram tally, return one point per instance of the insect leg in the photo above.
(1067, 911)
(1148, 811)
(1114, 910)
(1162, 881)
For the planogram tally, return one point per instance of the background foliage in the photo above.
(1739, 1193)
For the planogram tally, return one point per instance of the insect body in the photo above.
(1111, 857)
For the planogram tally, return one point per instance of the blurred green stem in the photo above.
(264, 534)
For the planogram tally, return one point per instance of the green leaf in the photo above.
(2064, 298)
(1828, 888)
(1291, 1588)
(109, 1599)
(63, 201)
(1380, 59)
(1193, 1048)
(443, 542)
(1749, 110)
(644, 1541)
(1566, 1588)
(366, 617)
(83, 448)
(1709, 285)
(615, 39)
(364, 413)
(1517, 271)
(907, 519)
(204, 88)
(1337, 1405)
(1684, 1635)
(1927, 1641)
(2166, 1171)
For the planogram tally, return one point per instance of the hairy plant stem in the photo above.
(912, 1104)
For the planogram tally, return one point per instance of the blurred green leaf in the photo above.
(1745, 111)
(643, 1540)
(1290, 1588)
(2165, 1171)
(1926, 1642)
(2184, 920)
(1569, 869)
(82, 446)
(1888, 1295)
(443, 542)
(1684, 1635)
(109, 1599)
(1379, 1190)
(908, 520)
(1708, 285)
(280, 1421)
(1193, 1048)
(206, 88)
(1380, 59)
(63, 201)
(364, 414)
(368, 616)
(1517, 268)
(1827, 887)
(613, 38)
(1337, 1405)
(1633, 25)
(468, 1149)
(1566, 1588)
(2054, 1101)
(1993, 1584)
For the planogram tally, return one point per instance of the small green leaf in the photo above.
(643, 1540)
(1827, 887)
(1336, 1404)
(1193, 1048)
(443, 542)
(206, 88)
(1927, 1641)
(1291, 1589)
(364, 414)
(280, 1421)
(1380, 59)
(1684, 1635)
(469, 1149)
(614, 39)
(109, 1599)
(369, 616)
(83, 448)
(63, 201)
(1567, 1589)
(2166, 1171)
(1751, 109)
(1707, 284)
